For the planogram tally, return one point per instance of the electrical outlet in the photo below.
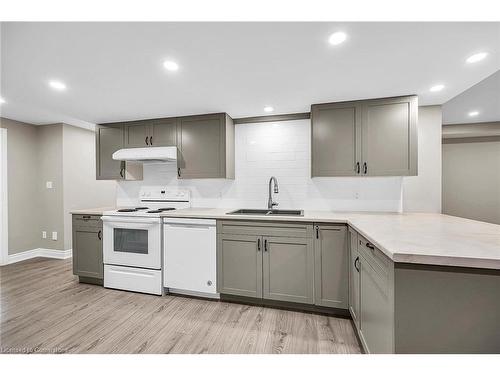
(54, 236)
(44, 234)
(49, 185)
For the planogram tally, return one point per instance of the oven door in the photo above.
(132, 241)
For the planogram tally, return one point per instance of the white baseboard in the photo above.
(44, 253)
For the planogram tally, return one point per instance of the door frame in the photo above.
(4, 208)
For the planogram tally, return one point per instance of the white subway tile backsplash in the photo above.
(283, 150)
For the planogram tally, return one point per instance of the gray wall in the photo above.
(81, 189)
(471, 180)
(22, 165)
(50, 162)
(64, 155)
(422, 193)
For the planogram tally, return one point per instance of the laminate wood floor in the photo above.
(45, 310)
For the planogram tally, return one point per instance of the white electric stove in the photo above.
(132, 240)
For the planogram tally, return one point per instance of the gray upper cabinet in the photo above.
(335, 145)
(331, 258)
(239, 265)
(206, 146)
(365, 138)
(87, 246)
(389, 137)
(163, 132)
(111, 138)
(147, 133)
(136, 134)
(108, 140)
(288, 269)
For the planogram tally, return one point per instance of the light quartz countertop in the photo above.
(92, 211)
(419, 238)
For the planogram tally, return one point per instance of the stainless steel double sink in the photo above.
(250, 211)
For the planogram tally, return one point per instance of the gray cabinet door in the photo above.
(389, 137)
(163, 132)
(288, 269)
(137, 134)
(201, 143)
(354, 276)
(239, 265)
(108, 140)
(87, 252)
(335, 143)
(331, 257)
(376, 328)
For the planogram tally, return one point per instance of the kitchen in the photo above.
(312, 221)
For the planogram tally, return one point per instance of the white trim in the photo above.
(36, 253)
(4, 206)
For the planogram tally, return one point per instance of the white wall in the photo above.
(283, 149)
(422, 193)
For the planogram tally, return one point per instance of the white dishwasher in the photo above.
(189, 262)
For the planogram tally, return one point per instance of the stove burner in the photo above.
(142, 208)
(166, 209)
(154, 212)
(127, 210)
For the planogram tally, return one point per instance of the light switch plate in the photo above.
(48, 184)
(54, 236)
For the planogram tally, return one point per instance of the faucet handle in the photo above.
(274, 204)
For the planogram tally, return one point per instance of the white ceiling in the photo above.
(483, 97)
(114, 70)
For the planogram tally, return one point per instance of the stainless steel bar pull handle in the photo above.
(258, 244)
(365, 168)
(99, 235)
(146, 140)
(265, 245)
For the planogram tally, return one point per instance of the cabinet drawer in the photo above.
(261, 228)
(134, 279)
(379, 262)
(87, 221)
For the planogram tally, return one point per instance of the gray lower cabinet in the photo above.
(274, 261)
(373, 296)
(331, 257)
(375, 137)
(87, 247)
(288, 269)
(206, 146)
(354, 276)
(239, 265)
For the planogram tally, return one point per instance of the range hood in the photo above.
(147, 154)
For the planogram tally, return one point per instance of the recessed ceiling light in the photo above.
(337, 38)
(268, 108)
(436, 88)
(476, 57)
(2, 100)
(171, 65)
(57, 85)
(473, 113)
